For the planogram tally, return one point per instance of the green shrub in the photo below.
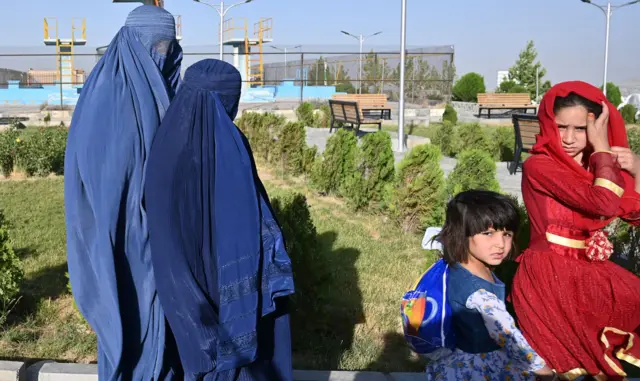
(291, 146)
(628, 112)
(374, 172)
(338, 163)
(504, 141)
(467, 88)
(613, 94)
(311, 269)
(511, 87)
(43, 152)
(626, 245)
(472, 136)
(450, 114)
(249, 124)
(475, 169)
(447, 139)
(261, 130)
(270, 127)
(418, 199)
(305, 114)
(323, 119)
(309, 159)
(634, 139)
(9, 141)
(11, 272)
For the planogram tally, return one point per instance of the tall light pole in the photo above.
(361, 38)
(403, 58)
(608, 10)
(285, 57)
(222, 11)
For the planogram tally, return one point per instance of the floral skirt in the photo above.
(463, 366)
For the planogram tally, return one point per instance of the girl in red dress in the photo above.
(577, 309)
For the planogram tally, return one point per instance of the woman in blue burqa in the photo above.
(222, 271)
(120, 108)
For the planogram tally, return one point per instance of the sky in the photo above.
(487, 35)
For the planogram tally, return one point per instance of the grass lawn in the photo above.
(373, 262)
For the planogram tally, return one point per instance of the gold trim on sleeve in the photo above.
(610, 185)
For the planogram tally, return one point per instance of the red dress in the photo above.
(577, 309)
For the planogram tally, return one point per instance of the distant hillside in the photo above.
(10, 75)
(630, 87)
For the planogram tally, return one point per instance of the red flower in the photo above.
(599, 248)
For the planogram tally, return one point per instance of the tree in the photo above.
(335, 76)
(613, 94)
(523, 72)
(466, 89)
(319, 71)
(372, 72)
(512, 87)
(423, 80)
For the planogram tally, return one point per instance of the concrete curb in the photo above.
(53, 371)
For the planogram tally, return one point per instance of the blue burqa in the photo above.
(121, 107)
(222, 271)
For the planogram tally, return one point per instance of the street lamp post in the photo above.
(361, 39)
(286, 75)
(608, 10)
(403, 58)
(222, 11)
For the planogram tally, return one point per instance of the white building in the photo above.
(503, 75)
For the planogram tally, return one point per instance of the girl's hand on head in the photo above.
(628, 161)
(597, 130)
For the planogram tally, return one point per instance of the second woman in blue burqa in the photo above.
(218, 254)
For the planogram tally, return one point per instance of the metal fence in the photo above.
(312, 74)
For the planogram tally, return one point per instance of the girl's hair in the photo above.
(473, 212)
(574, 99)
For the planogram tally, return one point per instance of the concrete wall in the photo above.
(47, 94)
(14, 95)
(465, 107)
(287, 91)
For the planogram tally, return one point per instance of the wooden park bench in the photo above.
(526, 127)
(371, 105)
(499, 101)
(349, 112)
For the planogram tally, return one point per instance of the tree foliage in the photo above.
(467, 88)
(523, 72)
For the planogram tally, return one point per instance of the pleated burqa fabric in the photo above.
(119, 111)
(222, 271)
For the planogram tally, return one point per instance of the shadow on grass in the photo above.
(25, 252)
(397, 356)
(47, 283)
(325, 312)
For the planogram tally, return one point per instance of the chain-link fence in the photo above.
(35, 78)
(429, 73)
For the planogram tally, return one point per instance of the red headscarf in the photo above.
(548, 141)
